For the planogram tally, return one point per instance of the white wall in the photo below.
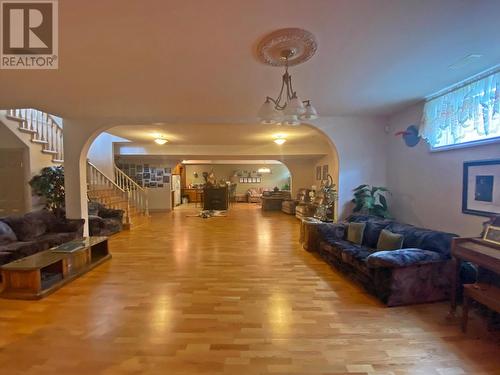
(427, 186)
(361, 146)
(101, 153)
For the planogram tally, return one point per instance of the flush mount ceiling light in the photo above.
(287, 47)
(161, 140)
(279, 139)
(264, 170)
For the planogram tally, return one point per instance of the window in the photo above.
(464, 116)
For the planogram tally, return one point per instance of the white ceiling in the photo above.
(194, 61)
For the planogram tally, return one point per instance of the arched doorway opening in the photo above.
(308, 154)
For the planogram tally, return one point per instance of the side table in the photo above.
(309, 236)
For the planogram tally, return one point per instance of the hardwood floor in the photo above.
(229, 295)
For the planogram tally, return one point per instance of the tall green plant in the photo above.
(49, 184)
(371, 200)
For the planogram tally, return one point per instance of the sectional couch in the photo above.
(28, 234)
(418, 272)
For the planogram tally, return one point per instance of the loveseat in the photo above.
(418, 272)
(254, 195)
(104, 221)
(25, 235)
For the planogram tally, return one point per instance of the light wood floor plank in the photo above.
(229, 295)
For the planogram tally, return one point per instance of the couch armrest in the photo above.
(70, 226)
(402, 258)
(332, 231)
(110, 213)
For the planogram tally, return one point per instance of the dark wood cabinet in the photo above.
(215, 198)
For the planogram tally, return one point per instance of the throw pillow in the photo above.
(7, 235)
(355, 232)
(389, 241)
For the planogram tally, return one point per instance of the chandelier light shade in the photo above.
(287, 47)
(161, 141)
(279, 139)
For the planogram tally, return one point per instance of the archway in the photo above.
(307, 162)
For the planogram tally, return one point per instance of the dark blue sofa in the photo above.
(419, 272)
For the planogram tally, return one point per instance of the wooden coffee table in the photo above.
(40, 274)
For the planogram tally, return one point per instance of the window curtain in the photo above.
(472, 110)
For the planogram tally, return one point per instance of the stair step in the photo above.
(58, 161)
(52, 152)
(39, 141)
(15, 118)
(26, 130)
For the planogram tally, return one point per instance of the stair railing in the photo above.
(97, 182)
(44, 128)
(138, 195)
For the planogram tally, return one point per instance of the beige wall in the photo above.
(279, 175)
(33, 158)
(427, 186)
(360, 143)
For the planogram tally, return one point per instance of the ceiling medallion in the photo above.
(287, 47)
(301, 42)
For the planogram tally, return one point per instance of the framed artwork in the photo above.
(166, 179)
(318, 172)
(160, 185)
(139, 169)
(153, 170)
(146, 176)
(138, 177)
(168, 170)
(159, 178)
(159, 172)
(481, 187)
(492, 234)
(325, 172)
(152, 184)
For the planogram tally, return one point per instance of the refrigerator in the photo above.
(176, 189)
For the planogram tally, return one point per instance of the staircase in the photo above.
(45, 130)
(122, 194)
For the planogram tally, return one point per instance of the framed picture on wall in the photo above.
(166, 179)
(481, 187)
(139, 168)
(318, 172)
(325, 172)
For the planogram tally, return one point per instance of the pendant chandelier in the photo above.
(287, 47)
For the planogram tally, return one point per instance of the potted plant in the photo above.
(49, 184)
(371, 200)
